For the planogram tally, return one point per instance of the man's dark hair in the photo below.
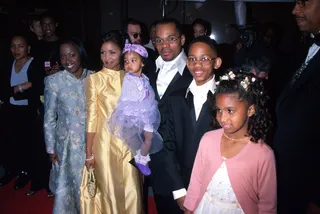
(171, 21)
(130, 21)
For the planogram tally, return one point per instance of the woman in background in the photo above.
(22, 86)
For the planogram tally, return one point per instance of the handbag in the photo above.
(91, 185)
(53, 180)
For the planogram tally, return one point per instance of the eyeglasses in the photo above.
(170, 40)
(203, 61)
(135, 35)
(300, 3)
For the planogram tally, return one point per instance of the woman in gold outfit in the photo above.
(118, 185)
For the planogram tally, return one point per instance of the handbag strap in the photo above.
(91, 174)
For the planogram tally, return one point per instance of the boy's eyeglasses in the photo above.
(203, 61)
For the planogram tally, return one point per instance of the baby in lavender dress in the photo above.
(136, 118)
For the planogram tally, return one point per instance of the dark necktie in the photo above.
(314, 40)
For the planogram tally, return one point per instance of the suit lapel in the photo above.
(305, 76)
(308, 72)
(153, 82)
(179, 82)
(205, 115)
(171, 86)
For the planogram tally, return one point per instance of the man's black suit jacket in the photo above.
(179, 82)
(296, 142)
(181, 133)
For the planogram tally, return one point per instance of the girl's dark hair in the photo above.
(118, 38)
(255, 94)
(80, 48)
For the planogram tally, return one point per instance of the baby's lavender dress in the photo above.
(136, 112)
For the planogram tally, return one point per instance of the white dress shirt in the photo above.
(149, 45)
(312, 51)
(168, 70)
(200, 94)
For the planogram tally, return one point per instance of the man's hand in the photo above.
(180, 202)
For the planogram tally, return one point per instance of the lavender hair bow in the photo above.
(136, 48)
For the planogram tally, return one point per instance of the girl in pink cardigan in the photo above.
(234, 170)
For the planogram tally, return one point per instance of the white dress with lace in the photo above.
(219, 197)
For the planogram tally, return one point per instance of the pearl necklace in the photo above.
(232, 139)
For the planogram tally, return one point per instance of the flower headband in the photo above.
(231, 76)
(139, 49)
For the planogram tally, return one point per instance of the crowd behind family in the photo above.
(208, 136)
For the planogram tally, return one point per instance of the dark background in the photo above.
(88, 19)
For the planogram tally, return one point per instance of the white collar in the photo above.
(312, 35)
(208, 86)
(179, 62)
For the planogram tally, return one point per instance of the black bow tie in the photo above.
(316, 39)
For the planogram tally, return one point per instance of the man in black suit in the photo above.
(296, 142)
(171, 75)
(186, 115)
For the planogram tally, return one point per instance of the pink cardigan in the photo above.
(252, 174)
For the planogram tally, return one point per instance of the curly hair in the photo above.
(255, 94)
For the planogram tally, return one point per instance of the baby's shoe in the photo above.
(142, 163)
(144, 169)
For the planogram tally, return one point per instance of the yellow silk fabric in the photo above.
(119, 190)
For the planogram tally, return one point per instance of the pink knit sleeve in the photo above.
(267, 184)
(193, 193)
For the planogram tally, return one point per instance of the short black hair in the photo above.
(50, 15)
(206, 40)
(154, 24)
(23, 35)
(80, 48)
(171, 21)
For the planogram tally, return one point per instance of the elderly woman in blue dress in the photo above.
(65, 126)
